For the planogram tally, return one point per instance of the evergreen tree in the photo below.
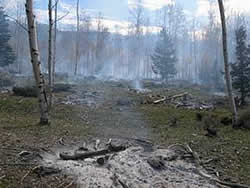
(241, 68)
(7, 55)
(164, 57)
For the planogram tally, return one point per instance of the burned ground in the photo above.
(101, 110)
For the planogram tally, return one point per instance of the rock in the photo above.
(156, 163)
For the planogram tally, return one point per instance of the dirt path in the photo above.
(112, 112)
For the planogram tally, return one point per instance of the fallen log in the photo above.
(160, 100)
(184, 95)
(178, 96)
(82, 156)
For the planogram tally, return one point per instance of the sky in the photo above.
(116, 12)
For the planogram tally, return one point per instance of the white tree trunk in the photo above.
(35, 60)
(226, 64)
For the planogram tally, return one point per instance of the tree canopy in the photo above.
(241, 68)
(164, 57)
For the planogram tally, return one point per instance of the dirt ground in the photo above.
(97, 110)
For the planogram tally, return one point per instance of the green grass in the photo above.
(21, 115)
(231, 147)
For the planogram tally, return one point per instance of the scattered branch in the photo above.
(208, 161)
(69, 185)
(29, 172)
(199, 168)
(194, 154)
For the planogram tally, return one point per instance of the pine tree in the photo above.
(7, 55)
(164, 57)
(241, 68)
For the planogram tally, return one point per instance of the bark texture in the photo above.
(35, 60)
(50, 51)
(226, 64)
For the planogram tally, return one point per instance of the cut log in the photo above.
(184, 95)
(160, 100)
(178, 96)
(82, 156)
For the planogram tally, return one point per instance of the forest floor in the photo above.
(107, 109)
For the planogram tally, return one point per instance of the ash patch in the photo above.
(133, 167)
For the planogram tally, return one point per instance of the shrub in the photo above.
(244, 118)
(29, 91)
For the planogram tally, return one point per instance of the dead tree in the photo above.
(137, 18)
(77, 36)
(226, 64)
(54, 44)
(50, 51)
(35, 60)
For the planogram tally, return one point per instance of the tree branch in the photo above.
(60, 18)
(18, 23)
(53, 6)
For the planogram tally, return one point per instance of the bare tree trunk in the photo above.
(35, 60)
(54, 45)
(50, 51)
(77, 36)
(226, 64)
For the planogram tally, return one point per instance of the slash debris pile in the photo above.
(182, 100)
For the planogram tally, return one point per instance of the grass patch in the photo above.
(21, 116)
(231, 148)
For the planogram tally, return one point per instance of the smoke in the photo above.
(137, 85)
